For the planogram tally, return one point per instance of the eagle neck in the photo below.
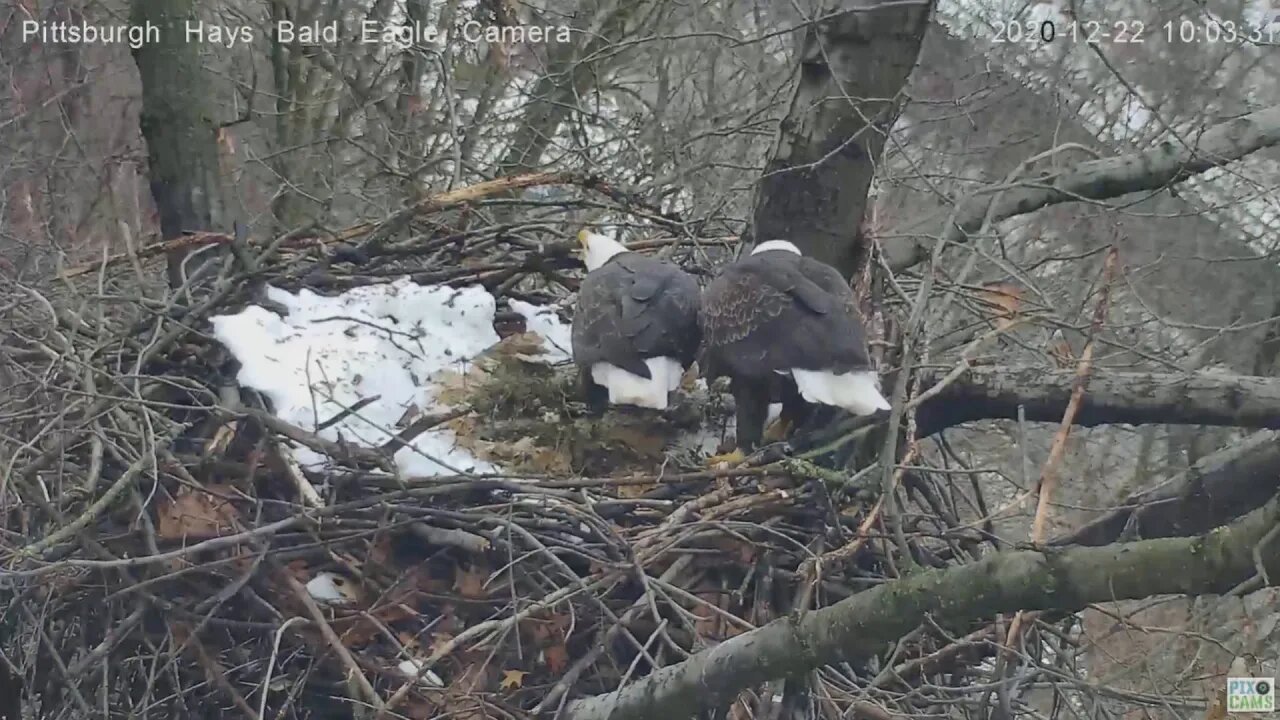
(601, 251)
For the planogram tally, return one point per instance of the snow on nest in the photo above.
(387, 341)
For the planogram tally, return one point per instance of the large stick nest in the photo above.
(165, 557)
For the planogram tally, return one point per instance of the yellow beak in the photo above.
(584, 238)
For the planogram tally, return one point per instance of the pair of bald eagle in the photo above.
(778, 324)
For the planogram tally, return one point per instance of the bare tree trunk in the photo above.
(178, 127)
(570, 73)
(853, 67)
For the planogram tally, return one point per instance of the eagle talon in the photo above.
(727, 460)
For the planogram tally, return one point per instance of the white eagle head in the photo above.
(775, 245)
(597, 248)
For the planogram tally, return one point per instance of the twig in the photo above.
(434, 203)
(1049, 473)
(122, 483)
(313, 610)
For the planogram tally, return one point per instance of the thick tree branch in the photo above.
(1221, 486)
(1113, 398)
(864, 624)
(1163, 165)
(852, 68)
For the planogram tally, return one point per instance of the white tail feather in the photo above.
(858, 392)
(630, 389)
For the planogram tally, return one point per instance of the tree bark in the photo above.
(1161, 166)
(177, 124)
(1220, 486)
(571, 73)
(853, 67)
(1113, 398)
(866, 623)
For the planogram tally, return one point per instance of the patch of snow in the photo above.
(385, 341)
(324, 588)
(412, 668)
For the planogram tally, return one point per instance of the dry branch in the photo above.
(1220, 486)
(1160, 167)
(861, 625)
(434, 203)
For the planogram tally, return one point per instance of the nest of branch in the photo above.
(167, 557)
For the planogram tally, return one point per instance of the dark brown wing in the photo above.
(776, 311)
(633, 308)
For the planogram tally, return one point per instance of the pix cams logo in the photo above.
(1251, 694)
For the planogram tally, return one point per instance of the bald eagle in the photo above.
(781, 325)
(635, 326)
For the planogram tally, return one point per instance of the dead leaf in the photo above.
(380, 550)
(710, 624)
(438, 641)
(201, 513)
(520, 345)
(550, 462)
(470, 583)
(557, 658)
(1005, 299)
(221, 438)
(1059, 350)
(632, 491)
(512, 680)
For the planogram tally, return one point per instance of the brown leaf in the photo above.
(557, 658)
(1004, 300)
(1060, 351)
(438, 641)
(512, 680)
(635, 490)
(550, 462)
(1217, 706)
(380, 550)
(470, 583)
(525, 344)
(221, 438)
(710, 624)
(201, 513)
